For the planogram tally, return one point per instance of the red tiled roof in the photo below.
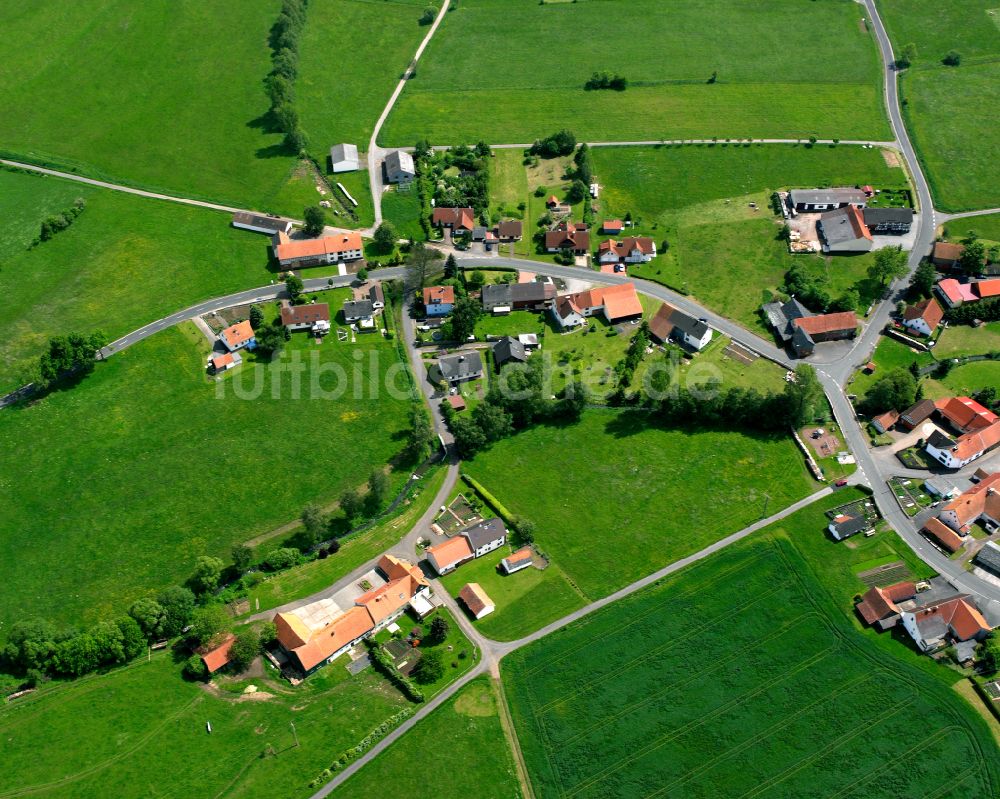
(385, 600)
(222, 360)
(965, 413)
(987, 288)
(474, 597)
(945, 251)
(950, 288)
(323, 643)
(308, 248)
(887, 419)
(857, 221)
(928, 310)
(450, 552)
(457, 402)
(947, 538)
(444, 295)
(612, 225)
(218, 657)
(461, 218)
(238, 334)
(964, 620)
(970, 505)
(827, 323)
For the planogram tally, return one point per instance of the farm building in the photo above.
(844, 230)
(939, 534)
(845, 525)
(399, 167)
(801, 329)
(216, 658)
(476, 600)
(916, 414)
(616, 304)
(980, 503)
(989, 557)
(450, 554)
(825, 199)
(521, 559)
(505, 297)
(878, 606)
(888, 221)
(885, 422)
(946, 255)
(301, 253)
(260, 223)
(344, 158)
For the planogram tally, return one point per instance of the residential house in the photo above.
(878, 606)
(457, 220)
(670, 323)
(260, 223)
(399, 167)
(509, 230)
(801, 329)
(239, 336)
(825, 199)
(225, 361)
(344, 158)
(989, 557)
(885, 422)
(888, 221)
(924, 316)
(618, 303)
(217, 657)
(314, 317)
(302, 253)
(568, 236)
(964, 414)
(476, 600)
(376, 296)
(500, 298)
(946, 255)
(612, 227)
(955, 619)
(449, 554)
(485, 536)
(844, 230)
(312, 648)
(936, 531)
(917, 413)
(630, 250)
(521, 559)
(496, 298)
(844, 526)
(439, 300)
(359, 312)
(981, 503)
(461, 367)
(952, 293)
(508, 350)
(959, 452)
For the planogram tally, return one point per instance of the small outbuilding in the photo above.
(476, 600)
(344, 158)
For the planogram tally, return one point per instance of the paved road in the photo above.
(942, 218)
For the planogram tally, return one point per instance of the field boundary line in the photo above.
(545, 666)
(670, 735)
(837, 644)
(630, 664)
(510, 733)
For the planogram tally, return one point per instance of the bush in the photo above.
(282, 558)
(194, 668)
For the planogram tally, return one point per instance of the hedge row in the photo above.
(362, 746)
(384, 664)
(489, 499)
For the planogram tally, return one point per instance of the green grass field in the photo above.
(675, 491)
(967, 340)
(458, 751)
(530, 72)
(525, 601)
(352, 54)
(114, 487)
(967, 379)
(126, 261)
(754, 651)
(987, 227)
(402, 209)
(889, 355)
(956, 145)
(165, 95)
(140, 731)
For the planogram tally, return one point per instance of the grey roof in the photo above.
(943, 484)
(509, 349)
(497, 294)
(358, 309)
(851, 525)
(460, 366)
(534, 291)
(919, 411)
(878, 216)
(399, 161)
(826, 196)
(485, 532)
(478, 233)
(344, 152)
(989, 557)
(688, 324)
(836, 227)
(780, 315)
(273, 223)
(375, 293)
(939, 440)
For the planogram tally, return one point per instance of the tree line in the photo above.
(280, 82)
(58, 222)
(605, 80)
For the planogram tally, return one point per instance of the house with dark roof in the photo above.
(844, 230)
(260, 223)
(811, 200)
(917, 413)
(801, 329)
(989, 557)
(361, 312)
(878, 606)
(923, 317)
(485, 536)
(509, 230)
(399, 167)
(508, 350)
(672, 324)
(569, 236)
(888, 221)
(844, 525)
(461, 367)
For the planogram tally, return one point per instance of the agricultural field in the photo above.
(721, 480)
(753, 644)
(987, 227)
(171, 97)
(957, 148)
(525, 601)
(471, 755)
(352, 55)
(124, 262)
(140, 731)
(191, 465)
(707, 69)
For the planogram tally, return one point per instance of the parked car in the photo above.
(841, 482)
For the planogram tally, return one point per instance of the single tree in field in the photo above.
(207, 571)
(907, 56)
(419, 435)
(419, 266)
(314, 523)
(428, 16)
(450, 266)
(890, 263)
(576, 192)
(477, 280)
(378, 491)
(953, 59)
(315, 220)
(351, 503)
(385, 237)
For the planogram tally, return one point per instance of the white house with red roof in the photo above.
(923, 317)
(981, 503)
(239, 336)
(630, 250)
(619, 303)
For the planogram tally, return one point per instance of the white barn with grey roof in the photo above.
(485, 536)
(344, 158)
(809, 200)
(399, 167)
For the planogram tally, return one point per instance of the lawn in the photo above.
(471, 755)
(987, 227)
(140, 731)
(352, 55)
(402, 209)
(525, 601)
(190, 466)
(957, 148)
(754, 644)
(889, 355)
(307, 579)
(125, 262)
(969, 378)
(967, 340)
(166, 94)
(674, 491)
(512, 324)
(694, 70)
